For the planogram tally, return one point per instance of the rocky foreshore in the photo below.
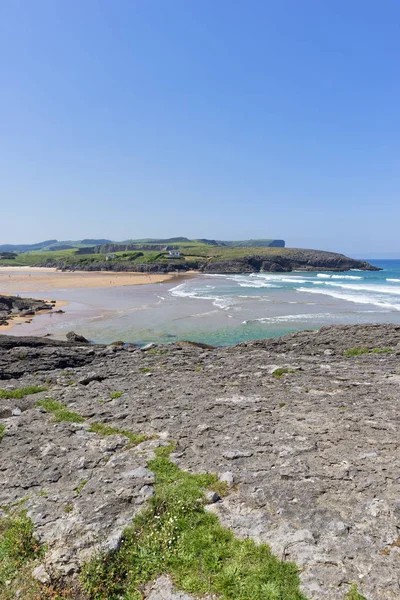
(303, 429)
(15, 306)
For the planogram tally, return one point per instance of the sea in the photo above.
(223, 309)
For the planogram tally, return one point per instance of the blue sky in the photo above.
(219, 119)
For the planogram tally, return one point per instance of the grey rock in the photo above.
(227, 477)
(232, 454)
(147, 347)
(211, 497)
(75, 337)
(316, 477)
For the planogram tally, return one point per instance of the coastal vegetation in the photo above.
(20, 393)
(175, 535)
(361, 351)
(101, 429)
(60, 412)
(183, 255)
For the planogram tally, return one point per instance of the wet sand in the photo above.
(42, 282)
(31, 279)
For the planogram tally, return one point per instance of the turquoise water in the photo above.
(226, 309)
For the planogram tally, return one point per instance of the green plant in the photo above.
(281, 371)
(360, 351)
(60, 412)
(2, 430)
(17, 545)
(115, 395)
(80, 487)
(353, 594)
(356, 351)
(175, 535)
(32, 389)
(69, 508)
(134, 438)
(145, 370)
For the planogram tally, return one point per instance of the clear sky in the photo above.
(205, 118)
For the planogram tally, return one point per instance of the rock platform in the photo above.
(306, 436)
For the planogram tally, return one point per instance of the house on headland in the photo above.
(174, 254)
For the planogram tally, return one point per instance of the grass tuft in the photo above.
(60, 412)
(134, 438)
(175, 535)
(32, 389)
(17, 546)
(80, 487)
(282, 371)
(360, 351)
(353, 594)
(2, 430)
(115, 395)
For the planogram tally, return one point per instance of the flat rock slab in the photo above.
(312, 457)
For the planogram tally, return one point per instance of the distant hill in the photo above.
(91, 242)
(52, 245)
(27, 247)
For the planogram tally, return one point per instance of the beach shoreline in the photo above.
(18, 280)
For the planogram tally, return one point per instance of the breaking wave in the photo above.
(358, 298)
(182, 291)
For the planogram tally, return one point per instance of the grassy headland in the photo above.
(181, 254)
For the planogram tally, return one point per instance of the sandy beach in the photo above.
(19, 279)
(29, 280)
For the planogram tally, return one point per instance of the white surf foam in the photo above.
(396, 280)
(251, 282)
(182, 291)
(324, 276)
(377, 289)
(358, 298)
(291, 318)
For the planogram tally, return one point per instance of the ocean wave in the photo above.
(322, 275)
(293, 280)
(397, 280)
(182, 291)
(377, 289)
(254, 282)
(286, 318)
(258, 285)
(358, 298)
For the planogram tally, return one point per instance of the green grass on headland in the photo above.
(190, 251)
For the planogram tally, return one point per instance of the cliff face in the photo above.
(283, 260)
(290, 260)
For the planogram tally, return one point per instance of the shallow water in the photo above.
(224, 309)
